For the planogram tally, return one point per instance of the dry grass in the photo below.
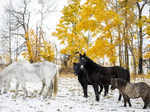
(140, 76)
(67, 75)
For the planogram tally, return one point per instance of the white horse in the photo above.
(23, 72)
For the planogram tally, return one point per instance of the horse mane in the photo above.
(121, 82)
(91, 64)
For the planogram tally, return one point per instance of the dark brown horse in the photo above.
(98, 74)
(84, 80)
(132, 90)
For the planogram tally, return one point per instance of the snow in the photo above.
(69, 99)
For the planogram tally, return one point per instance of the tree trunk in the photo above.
(140, 9)
(10, 53)
(134, 59)
(140, 71)
(126, 56)
(119, 37)
(120, 51)
(125, 38)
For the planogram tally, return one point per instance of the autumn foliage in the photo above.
(37, 49)
(109, 29)
(88, 28)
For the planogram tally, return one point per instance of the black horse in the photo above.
(84, 79)
(102, 75)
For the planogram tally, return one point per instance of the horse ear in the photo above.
(74, 63)
(80, 54)
(84, 54)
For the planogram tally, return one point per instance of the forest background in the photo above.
(111, 32)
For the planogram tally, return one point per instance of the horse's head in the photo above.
(76, 68)
(83, 59)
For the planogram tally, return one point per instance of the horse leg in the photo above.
(50, 90)
(24, 89)
(43, 86)
(95, 86)
(119, 96)
(145, 105)
(101, 88)
(55, 85)
(128, 99)
(129, 102)
(146, 102)
(125, 100)
(106, 87)
(7, 86)
(17, 86)
(84, 86)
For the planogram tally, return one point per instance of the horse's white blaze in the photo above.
(24, 72)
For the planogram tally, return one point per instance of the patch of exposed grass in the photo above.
(12, 91)
(147, 76)
(108, 96)
(67, 75)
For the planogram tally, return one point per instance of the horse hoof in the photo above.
(119, 99)
(97, 99)
(105, 95)
(85, 96)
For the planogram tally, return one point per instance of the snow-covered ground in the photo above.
(69, 99)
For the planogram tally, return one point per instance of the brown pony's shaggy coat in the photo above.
(132, 90)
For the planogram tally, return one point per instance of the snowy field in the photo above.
(69, 99)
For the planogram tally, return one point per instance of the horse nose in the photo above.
(75, 74)
(82, 67)
(112, 88)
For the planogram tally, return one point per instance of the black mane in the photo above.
(121, 82)
(90, 64)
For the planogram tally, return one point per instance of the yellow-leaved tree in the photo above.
(88, 27)
(37, 50)
(68, 32)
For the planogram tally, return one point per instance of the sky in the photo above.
(53, 16)
(50, 20)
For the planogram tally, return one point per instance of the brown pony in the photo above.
(132, 90)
